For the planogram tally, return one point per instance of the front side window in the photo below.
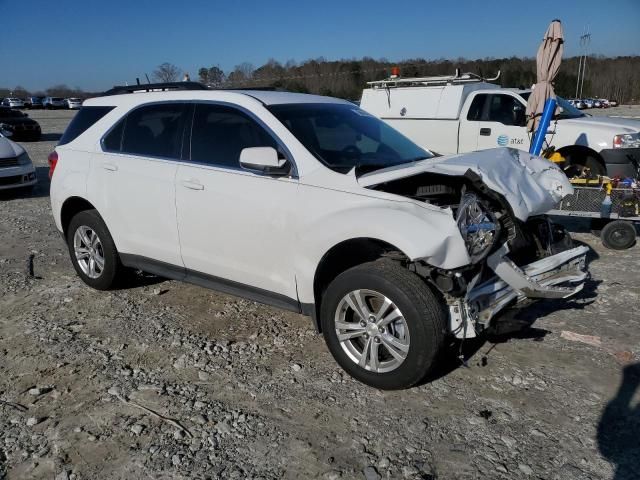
(219, 133)
(152, 130)
(506, 109)
(344, 136)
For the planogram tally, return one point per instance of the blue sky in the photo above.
(95, 45)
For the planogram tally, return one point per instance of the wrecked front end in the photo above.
(516, 253)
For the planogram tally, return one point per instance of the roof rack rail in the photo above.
(436, 80)
(155, 87)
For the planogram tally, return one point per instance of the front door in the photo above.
(502, 123)
(236, 226)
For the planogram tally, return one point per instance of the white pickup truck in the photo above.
(463, 113)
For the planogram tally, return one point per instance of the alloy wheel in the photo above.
(372, 331)
(88, 251)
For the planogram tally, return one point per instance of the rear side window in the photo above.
(475, 110)
(84, 119)
(219, 134)
(152, 130)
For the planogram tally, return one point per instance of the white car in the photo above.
(53, 102)
(73, 103)
(13, 103)
(311, 204)
(16, 168)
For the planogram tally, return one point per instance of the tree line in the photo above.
(615, 78)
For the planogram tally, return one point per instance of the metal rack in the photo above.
(456, 79)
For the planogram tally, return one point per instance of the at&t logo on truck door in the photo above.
(503, 140)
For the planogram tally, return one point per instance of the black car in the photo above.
(33, 102)
(23, 127)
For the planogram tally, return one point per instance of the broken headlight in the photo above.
(478, 226)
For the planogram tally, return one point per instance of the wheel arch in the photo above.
(343, 256)
(71, 207)
(582, 151)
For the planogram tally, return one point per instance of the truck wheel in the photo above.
(618, 235)
(383, 325)
(92, 250)
(577, 165)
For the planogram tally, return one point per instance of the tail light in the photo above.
(395, 72)
(53, 161)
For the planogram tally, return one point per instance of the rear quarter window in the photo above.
(83, 120)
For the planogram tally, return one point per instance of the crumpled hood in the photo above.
(9, 149)
(532, 185)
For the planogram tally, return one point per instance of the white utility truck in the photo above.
(464, 113)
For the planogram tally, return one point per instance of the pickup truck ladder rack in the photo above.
(458, 78)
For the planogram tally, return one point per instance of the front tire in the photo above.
(92, 250)
(383, 325)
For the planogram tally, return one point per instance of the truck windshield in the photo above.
(568, 110)
(344, 136)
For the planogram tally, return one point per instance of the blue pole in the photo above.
(543, 126)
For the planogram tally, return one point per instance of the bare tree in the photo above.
(167, 72)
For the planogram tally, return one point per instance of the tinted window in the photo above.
(113, 141)
(475, 110)
(344, 136)
(219, 134)
(154, 130)
(84, 119)
(506, 109)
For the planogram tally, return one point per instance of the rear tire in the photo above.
(618, 235)
(92, 251)
(397, 325)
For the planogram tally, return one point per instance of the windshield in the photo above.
(344, 136)
(568, 110)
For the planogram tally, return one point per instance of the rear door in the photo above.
(132, 181)
(236, 226)
(502, 123)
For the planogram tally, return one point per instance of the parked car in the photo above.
(73, 103)
(24, 128)
(16, 168)
(33, 103)
(613, 103)
(12, 102)
(579, 104)
(588, 102)
(460, 115)
(50, 103)
(576, 102)
(311, 204)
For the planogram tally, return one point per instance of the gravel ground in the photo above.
(168, 380)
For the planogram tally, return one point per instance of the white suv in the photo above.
(311, 204)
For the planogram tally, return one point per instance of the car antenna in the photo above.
(137, 81)
(148, 81)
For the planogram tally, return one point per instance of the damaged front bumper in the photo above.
(558, 276)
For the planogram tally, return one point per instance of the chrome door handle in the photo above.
(192, 185)
(110, 166)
